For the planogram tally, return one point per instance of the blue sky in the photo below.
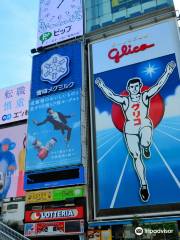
(18, 24)
(18, 30)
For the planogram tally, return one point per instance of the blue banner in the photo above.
(33, 181)
(54, 136)
(138, 134)
(57, 70)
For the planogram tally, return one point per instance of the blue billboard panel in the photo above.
(54, 136)
(137, 134)
(135, 92)
(59, 177)
(57, 70)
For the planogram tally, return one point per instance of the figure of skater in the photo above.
(138, 126)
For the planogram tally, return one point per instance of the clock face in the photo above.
(59, 20)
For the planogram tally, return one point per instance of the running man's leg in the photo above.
(146, 138)
(133, 144)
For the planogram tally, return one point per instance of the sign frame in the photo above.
(129, 212)
(57, 27)
(53, 195)
(54, 214)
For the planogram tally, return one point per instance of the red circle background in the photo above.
(156, 110)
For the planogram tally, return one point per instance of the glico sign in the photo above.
(135, 92)
(115, 55)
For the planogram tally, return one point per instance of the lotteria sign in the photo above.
(54, 214)
(59, 194)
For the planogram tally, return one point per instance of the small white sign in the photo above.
(59, 20)
(136, 46)
(14, 103)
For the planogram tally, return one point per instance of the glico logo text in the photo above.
(116, 55)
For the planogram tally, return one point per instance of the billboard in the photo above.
(13, 212)
(117, 4)
(54, 214)
(59, 177)
(57, 70)
(54, 135)
(12, 161)
(51, 178)
(59, 21)
(96, 234)
(58, 194)
(54, 228)
(136, 89)
(14, 103)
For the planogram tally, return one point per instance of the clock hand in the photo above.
(60, 3)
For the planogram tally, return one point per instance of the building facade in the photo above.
(103, 120)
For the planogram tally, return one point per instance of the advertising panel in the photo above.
(14, 103)
(117, 4)
(59, 21)
(97, 234)
(136, 91)
(54, 228)
(12, 160)
(54, 214)
(59, 194)
(60, 177)
(54, 137)
(94, 234)
(13, 212)
(56, 70)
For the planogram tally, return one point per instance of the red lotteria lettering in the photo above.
(115, 55)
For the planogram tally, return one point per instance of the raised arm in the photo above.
(109, 93)
(162, 81)
(40, 123)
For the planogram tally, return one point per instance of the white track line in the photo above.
(108, 141)
(103, 156)
(166, 126)
(105, 136)
(167, 166)
(172, 123)
(169, 135)
(119, 183)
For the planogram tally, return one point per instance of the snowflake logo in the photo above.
(55, 68)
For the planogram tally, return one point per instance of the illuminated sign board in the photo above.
(54, 228)
(54, 214)
(14, 103)
(57, 70)
(54, 136)
(59, 21)
(96, 234)
(59, 194)
(12, 161)
(135, 92)
(64, 176)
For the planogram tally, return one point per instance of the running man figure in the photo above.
(138, 126)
